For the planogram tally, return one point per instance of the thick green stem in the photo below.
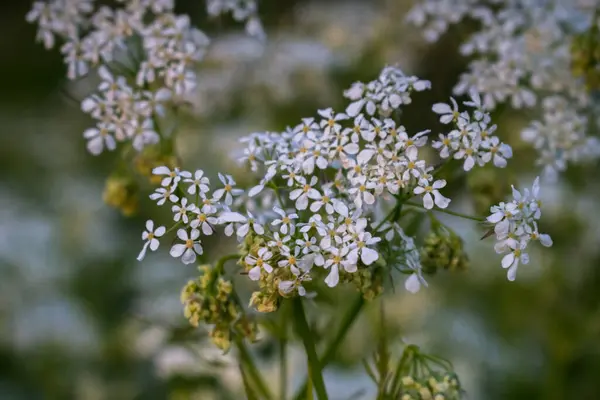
(442, 210)
(331, 349)
(250, 367)
(283, 356)
(314, 365)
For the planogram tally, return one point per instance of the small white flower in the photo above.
(301, 195)
(260, 262)
(250, 222)
(198, 184)
(447, 114)
(286, 221)
(181, 211)
(172, 176)
(151, 237)
(432, 189)
(360, 250)
(204, 221)
(512, 259)
(228, 190)
(99, 138)
(163, 194)
(191, 246)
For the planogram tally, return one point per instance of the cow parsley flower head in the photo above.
(515, 226)
(524, 55)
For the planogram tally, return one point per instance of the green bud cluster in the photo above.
(210, 299)
(121, 192)
(585, 57)
(150, 158)
(443, 250)
(268, 298)
(368, 281)
(431, 386)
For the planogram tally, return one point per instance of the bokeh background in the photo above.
(80, 318)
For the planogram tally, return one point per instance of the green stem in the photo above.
(283, 371)
(442, 210)
(252, 370)
(331, 349)
(221, 262)
(314, 365)
(247, 387)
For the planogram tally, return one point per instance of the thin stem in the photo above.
(442, 210)
(314, 365)
(221, 262)
(252, 370)
(336, 341)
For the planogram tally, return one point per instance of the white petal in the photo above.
(412, 284)
(254, 273)
(177, 250)
(161, 170)
(154, 243)
(229, 216)
(188, 257)
(428, 201)
(545, 240)
(508, 260)
(364, 156)
(160, 231)
(441, 108)
(255, 190)
(368, 256)
(142, 254)
(512, 272)
(333, 278)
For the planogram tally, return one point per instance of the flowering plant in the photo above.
(337, 199)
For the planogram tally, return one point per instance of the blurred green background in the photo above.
(80, 318)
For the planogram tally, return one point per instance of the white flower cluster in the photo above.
(522, 53)
(241, 10)
(515, 226)
(561, 137)
(145, 54)
(472, 138)
(326, 175)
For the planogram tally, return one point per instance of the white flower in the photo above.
(250, 222)
(172, 177)
(286, 221)
(359, 248)
(151, 237)
(260, 261)
(191, 246)
(432, 189)
(280, 243)
(228, 190)
(181, 211)
(198, 184)
(447, 114)
(512, 259)
(163, 194)
(204, 221)
(307, 191)
(336, 261)
(99, 138)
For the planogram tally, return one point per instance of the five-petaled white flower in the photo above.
(228, 190)
(432, 189)
(286, 222)
(151, 237)
(198, 184)
(189, 248)
(259, 262)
